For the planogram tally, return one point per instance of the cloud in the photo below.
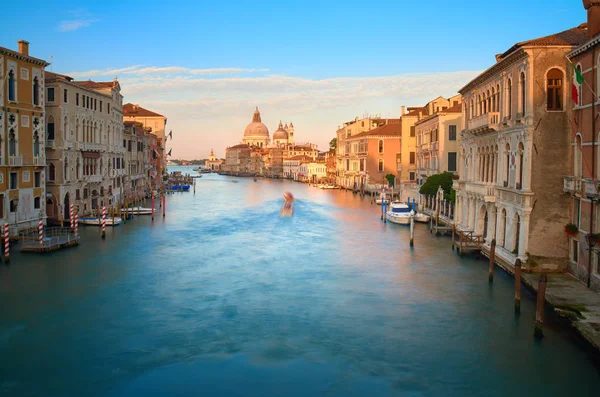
(80, 18)
(163, 72)
(209, 108)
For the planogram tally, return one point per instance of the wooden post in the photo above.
(492, 261)
(453, 235)
(539, 310)
(383, 205)
(412, 229)
(153, 204)
(164, 204)
(518, 286)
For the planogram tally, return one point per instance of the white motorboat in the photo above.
(421, 217)
(139, 210)
(94, 221)
(330, 187)
(398, 213)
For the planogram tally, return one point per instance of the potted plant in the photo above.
(571, 229)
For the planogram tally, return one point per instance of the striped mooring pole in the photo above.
(71, 218)
(6, 243)
(103, 222)
(152, 204)
(76, 224)
(41, 230)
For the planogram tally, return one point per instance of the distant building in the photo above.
(152, 122)
(213, 163)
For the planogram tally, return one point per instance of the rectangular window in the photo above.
(574, 250)
(108, 108)
(411, 175)
(95, 104)
(25, 176)
(77, 99)
(77, 194)
(100, 105)
(14, 181)
(65, 95)
(24, 74)
(1, 206)
(50, 96)
(37, 179)
(412, 131)
(14, 205)
(87, 100)
(452, 133)
(452, 161)
(24, 121)
(576, 211)
(129, 147)
(347, 165)
(412, 157)
(124, 143)
(36, 203)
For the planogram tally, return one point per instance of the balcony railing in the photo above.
(435, 146)
(94, 178)
(484, 123)
(39, 161)
(591, 187)
(572, 184)
(68, 144)
(488, 192)
(15, 161)
(50, 144)
(91, 147)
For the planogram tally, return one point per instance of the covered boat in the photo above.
(398, 213)
(94, 221)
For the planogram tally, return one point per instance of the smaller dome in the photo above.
(280, 133)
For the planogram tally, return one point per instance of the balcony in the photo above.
(94, 179)
(50, 144)
(487, 192)
(485, 123)
(435, 146)
(15, 161)
(591, 188)
(572, 185)
(68, 144)
(91, 147)
(39, 161)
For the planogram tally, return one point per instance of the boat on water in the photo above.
(138, 210)
(255, 179)
(234, 181)
(422, 218)
(398, 213)
(94, 221)
(180, 188)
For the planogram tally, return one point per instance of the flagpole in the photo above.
(584, 80)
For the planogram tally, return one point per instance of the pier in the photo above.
(54, 238)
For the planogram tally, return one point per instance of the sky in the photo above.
(205, 65)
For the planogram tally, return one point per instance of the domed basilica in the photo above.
(257, 134)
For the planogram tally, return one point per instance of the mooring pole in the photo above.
(518, 286)
(539, 310)
(492, 261)
(412, 228)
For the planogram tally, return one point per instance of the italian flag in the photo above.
(574, 90)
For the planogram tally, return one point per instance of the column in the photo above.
(524, 233)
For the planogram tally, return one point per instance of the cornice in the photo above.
(494, 69)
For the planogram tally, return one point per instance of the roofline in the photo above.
(72, 84)
(18, 55)
(585, 46)
(440, 113)
(504, 63)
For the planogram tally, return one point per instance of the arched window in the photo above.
(484, 104)
(507, 165)
(12, 86)
(497, 97)
(503, 228)
(12, 143)
(36, 91)
(66, 170)
(381, 146)
(77, 169)
(493, 108)
(66, 128)
(489, 102)
(380, 165)
(362, 123)
(509, 99)
(577, 157)
(522, 91)
(50, 129)
(554, 80)
(480, 105)
(471, 110)
(520, 151)
(36, 145)
(77, 130)
(51, 172)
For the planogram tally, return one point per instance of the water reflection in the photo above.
(223, 296)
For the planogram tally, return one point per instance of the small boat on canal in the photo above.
(94, 221)
(180, 188)
(422, 218)
(398, 213)
(383, 197)
(138, 210)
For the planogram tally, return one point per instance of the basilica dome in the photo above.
(256, 128)
(280, 133)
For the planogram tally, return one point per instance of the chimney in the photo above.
(403, 110)
(498, 57)
(23, 47)
(593, 16)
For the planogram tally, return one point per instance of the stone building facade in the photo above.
(22, 137)
(153, 122)
(85, 154)
(515, 150)
(581, 182)
(137, 181)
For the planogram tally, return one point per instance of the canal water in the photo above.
(224, 297)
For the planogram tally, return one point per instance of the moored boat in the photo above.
(180, 188)
(94, 221)
(383, 197)
(421, 217)
(138, 210)
(398, 213)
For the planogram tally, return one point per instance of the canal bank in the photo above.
(224, 297)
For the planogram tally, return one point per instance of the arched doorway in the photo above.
(482, 221)
(50, 208)
(66, 209)
(94, 199)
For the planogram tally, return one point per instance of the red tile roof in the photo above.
(385, 130)
(240, 146)
(50, 75)
(301, 157)
(131, 110)
(572, 37)
(453, 109)
(96, 85)
(415, 112)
